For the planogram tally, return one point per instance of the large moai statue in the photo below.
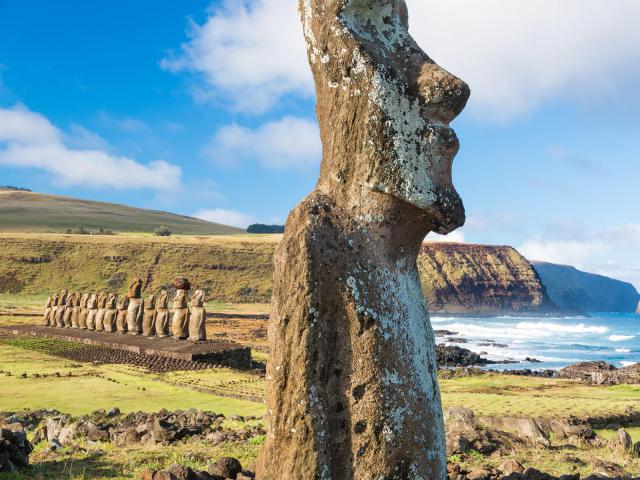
(149, 316)
(75, 313)
(92, 310)
(352, 390)
(68, 310)
(84, 311)
(136, 307)
(197, 318)
(121, 318)
(47, 312)
(102, 303)
(62, 306)
(180, 321)
(110, 314)
(162, 315)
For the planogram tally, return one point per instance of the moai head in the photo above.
(384, 108)
(56, 299)
(150, 302)
(198, 299)
(63, 297)
(123, 303)
(111, 301)
(77, 299)
(135, 288)
(163, 299)
(49, 302)
(180, 300)
(93, 301)
(71, 300)
(83, 300)
(102, 300)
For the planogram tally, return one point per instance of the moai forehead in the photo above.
(384, 105)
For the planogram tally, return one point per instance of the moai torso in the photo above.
(162, 315)
(136, 308)
(352, 388)
(180, 320)
(149, 317)
(110, 314)
(47, 312)
(197, 318)
(121, 318)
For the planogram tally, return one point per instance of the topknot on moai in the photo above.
(351, 345)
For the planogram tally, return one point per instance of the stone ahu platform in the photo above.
(208, 352)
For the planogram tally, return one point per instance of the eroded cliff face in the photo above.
(456, 278)
(486, 279)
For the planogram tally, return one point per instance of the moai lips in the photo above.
(352, 389)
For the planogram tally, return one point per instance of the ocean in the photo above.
(555, 341)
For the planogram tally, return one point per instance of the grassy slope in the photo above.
(35, 212)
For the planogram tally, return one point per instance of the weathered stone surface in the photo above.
(135, 312)
(197, 318)
(92, 310)
(180, 320)
(121, 317)
(149, 316)
(162, 315)
(226, 467)
(351, 382)
(14, 448)
(510, 466)
(621, 442)
(601, 373)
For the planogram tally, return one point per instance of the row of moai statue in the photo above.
(131, 314)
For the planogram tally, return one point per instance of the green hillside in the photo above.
(41, 213)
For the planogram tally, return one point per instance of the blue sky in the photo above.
(207, 109)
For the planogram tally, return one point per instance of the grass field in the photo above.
(36, 212)
(32, 379)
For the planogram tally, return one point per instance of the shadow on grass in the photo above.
(88, 467)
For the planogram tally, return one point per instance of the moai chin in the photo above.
(352, 390)
(162, 315)
(136, 307)
(197, 318)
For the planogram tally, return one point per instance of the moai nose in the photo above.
(443, 94)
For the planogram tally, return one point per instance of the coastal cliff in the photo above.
(482, 279)
(456, 278)
(572, 288)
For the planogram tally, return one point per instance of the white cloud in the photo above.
(250, 51)
(287, 143)
(30, 140)
(457, 236)
(614, 252)
(226, 217)
(515, 55)
(620, 338)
